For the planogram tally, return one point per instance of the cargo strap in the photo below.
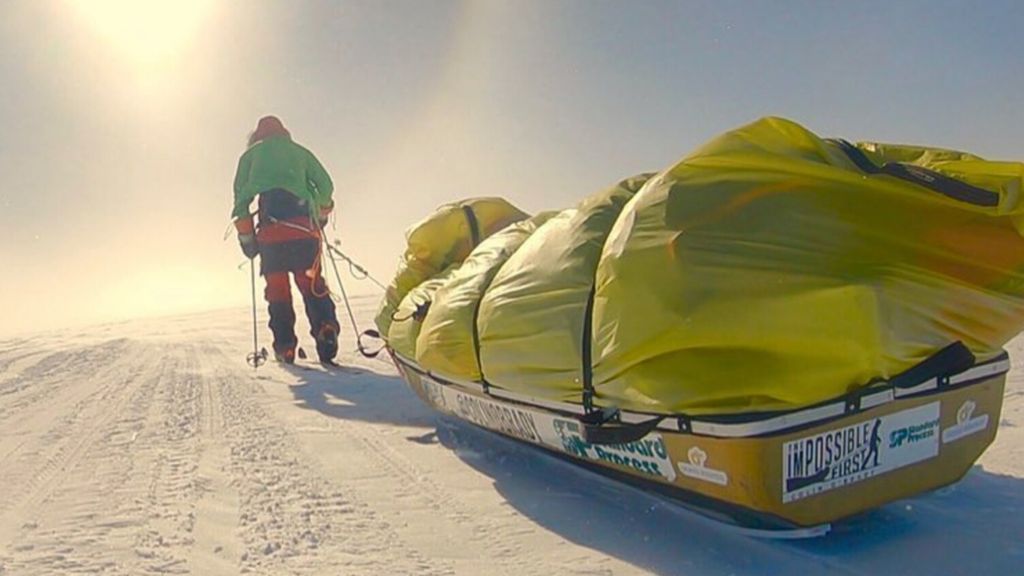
(929, 179)
(603, 427)
(952, 359)
(476, 344)
(587, 353)
(474, 225)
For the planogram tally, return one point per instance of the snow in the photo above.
(149, 447)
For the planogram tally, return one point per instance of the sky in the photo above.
(121, 121)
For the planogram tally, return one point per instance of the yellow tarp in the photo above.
(447, 342)
(770, 269)
(546, 285)
(412, 311)
(444, 238)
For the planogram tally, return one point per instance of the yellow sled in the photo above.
(780, 328)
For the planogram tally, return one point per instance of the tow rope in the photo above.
(357, 271)
(344, 295)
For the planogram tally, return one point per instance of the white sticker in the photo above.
(481, 411)
(966, 423)
(697, 468)
(648, 456)
(850, 454)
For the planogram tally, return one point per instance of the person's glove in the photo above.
(249, 246)
(324, 215)
(247, 237)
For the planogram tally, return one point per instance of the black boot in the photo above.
(282, 324)
(327, 343)
(323, 325)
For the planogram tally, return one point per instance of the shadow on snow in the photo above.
(358, 394)
(975, 526)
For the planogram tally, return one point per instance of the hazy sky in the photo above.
(121, 121)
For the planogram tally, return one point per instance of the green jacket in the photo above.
(277, 162)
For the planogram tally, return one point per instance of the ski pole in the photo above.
(257, 358)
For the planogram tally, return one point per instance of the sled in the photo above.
(796, 471)
(779, 329)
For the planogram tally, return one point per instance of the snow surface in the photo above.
(149, 447)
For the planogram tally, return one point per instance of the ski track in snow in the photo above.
(150, 447)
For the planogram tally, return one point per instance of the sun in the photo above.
(148, 32)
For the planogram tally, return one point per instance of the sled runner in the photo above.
(773, 472)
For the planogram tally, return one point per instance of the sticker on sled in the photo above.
(647, 456)
(843, 456)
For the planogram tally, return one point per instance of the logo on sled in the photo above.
(505, 419)
(843, 456)
(647, 455)
(966, 423)
(697, 468)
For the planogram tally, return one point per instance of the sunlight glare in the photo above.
(148, 32)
